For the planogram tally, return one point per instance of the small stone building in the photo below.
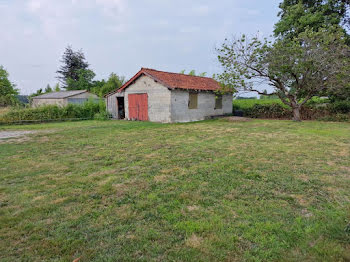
(158, 96)
(63, 98)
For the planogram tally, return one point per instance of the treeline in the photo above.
(74, 74)
(8, 90)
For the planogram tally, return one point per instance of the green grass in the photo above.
(249, 103)
(206, 191)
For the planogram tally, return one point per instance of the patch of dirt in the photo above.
(238, 119)
(121, 189)
(194, 241)
(124, 212)
(306, 213)
(192, 208)
(161, 178)
(21, 135)
(5, 135)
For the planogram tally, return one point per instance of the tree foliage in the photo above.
(8, 92)
(48, 89)
(37, 92)
(297, 69)
(193, 73)
(114, 82)
(297, 15)
(84, 80)
(57, 87)
(73, 68)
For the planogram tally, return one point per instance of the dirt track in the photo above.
(12, 134)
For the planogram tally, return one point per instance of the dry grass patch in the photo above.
(192, 208)
(194, 241)
(161, 178)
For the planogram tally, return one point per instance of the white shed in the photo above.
(63, 98)
(158, 96)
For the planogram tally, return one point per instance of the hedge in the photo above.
(314, 110)
(47, 113)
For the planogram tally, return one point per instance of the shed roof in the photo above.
(175, 81)
(60, 94)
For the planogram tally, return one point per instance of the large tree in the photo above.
(73, 64)
(83, 81)
(114, 82)
(297, 15)
(8, 92)
(296, 69)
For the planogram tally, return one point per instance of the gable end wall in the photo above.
(158, 99)
(206, 106)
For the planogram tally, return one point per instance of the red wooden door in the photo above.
(138, 107)
(132, 107)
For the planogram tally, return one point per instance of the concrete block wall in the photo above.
(49, 101)
(111, 104)
(159, 98)
(206, 106)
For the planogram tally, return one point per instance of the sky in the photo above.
(121, 36)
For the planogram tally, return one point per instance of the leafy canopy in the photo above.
(297, 15)
(297, 69)
(83, 80)
(193, 73)
(114, 82)
(8, 92)
(71, 70)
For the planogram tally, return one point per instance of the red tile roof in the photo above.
(176, 80)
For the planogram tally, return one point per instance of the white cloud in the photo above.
(189, 29)
(253, 12)
(34, 5)
(121, 28)
(111, 7)
(201, 10)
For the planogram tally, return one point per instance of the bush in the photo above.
(87, 110)
(340, 107)
(242, 104)
(316, 109)
(102, 116)
(268, 111)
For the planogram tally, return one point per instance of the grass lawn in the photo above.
(206, 191)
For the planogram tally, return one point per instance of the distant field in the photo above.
(207, 191)
(248, 103)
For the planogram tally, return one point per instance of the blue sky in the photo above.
(122, 36)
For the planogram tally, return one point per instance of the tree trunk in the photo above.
(296, 114)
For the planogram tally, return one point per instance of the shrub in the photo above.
(340, 107)
(268, 111)
(316, 109)
(102, 116)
